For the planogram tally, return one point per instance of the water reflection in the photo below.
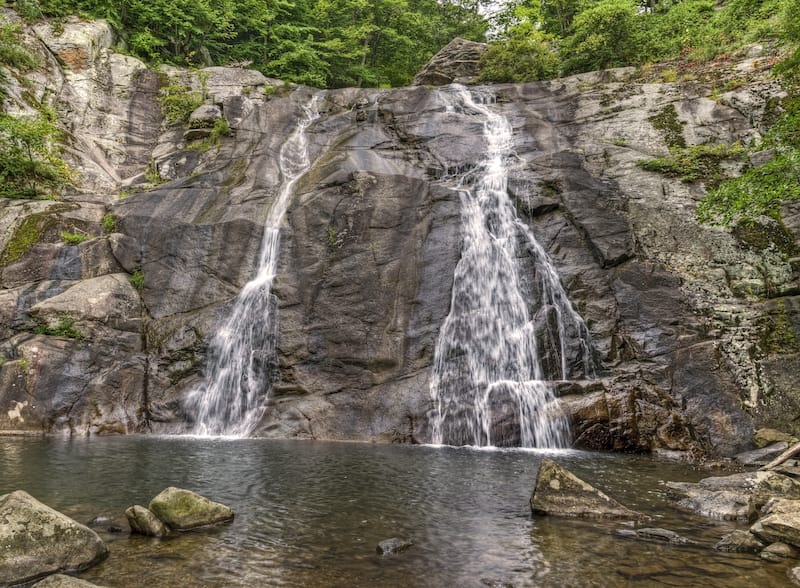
(311, 514)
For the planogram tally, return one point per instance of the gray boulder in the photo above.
(761, 456)
(183, 509)
(458, 61)
(559, 492)
(36, 540)
(144, 522)
(656, 534)
(782, 522)
(794, 575)
(734, 497)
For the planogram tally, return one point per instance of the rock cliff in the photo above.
(696, 327)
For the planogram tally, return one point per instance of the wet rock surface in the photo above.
(558, 492)
(181, 509)
(144, 522)
(393, 545)
(681, 315)
(36, 540)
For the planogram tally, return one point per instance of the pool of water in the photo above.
(312, 514)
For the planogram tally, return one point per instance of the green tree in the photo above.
(602, 36)
(526, 54)
(30, 162)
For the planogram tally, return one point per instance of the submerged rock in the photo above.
(777, 552)
(739, 541)
(558, 492)
(144, 522)
(64, 581)
(656, 534)
(393, 545)
(36, 540)
(183, 509)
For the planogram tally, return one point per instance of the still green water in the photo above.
(312, 513)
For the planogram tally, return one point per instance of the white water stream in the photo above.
(489, 375)
(233, 398)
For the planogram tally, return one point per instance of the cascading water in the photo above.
(509, 332)
(233, 398)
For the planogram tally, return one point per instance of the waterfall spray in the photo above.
(233, 398)
(488, 357)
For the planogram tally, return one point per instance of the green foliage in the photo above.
(25, 236)
(220, 129)
(152, 175)
(12, 51)
(761, 190)
(109, 223)
(73, 238)
(65, 327)
(30, 161)
(523, 57)
(137, 279)
(178, 100)
(605, 35)
(315, 42)
(694, 163)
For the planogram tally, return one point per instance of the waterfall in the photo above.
(509, 332)
(233, 398)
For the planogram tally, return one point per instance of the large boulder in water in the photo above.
(183, 509)
(559, 492)
(36, 540)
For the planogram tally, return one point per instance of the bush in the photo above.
(605, 35)
(30, 161)
(12, 52)
(178, 101)
(761, 190)
(521, 58)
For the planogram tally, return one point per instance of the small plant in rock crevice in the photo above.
(71, 238)
(137, 279)
(64, 327)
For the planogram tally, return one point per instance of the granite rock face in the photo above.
(681, 315)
